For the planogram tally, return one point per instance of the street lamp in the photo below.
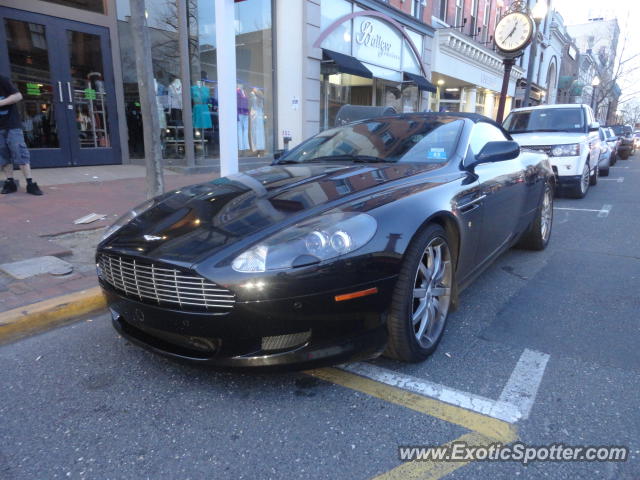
(538, 12)
(594, 84)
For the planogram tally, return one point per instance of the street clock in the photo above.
(513, 32)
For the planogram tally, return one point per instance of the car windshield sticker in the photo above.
(436, 153)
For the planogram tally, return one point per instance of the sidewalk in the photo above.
(43, 226)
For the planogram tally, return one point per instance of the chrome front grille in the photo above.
(162, 285)
(540, 148)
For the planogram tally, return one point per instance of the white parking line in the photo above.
(605, 211)
(616, 166)
(522, 387)
(602, 212)
(619, 180)
(577, 209)
(477, 403)
(514, 403)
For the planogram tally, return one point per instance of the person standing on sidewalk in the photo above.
(13, 150)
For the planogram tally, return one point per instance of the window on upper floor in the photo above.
(485, 21)
(473, 29)
(459, 12)
(442, 10)
(417, 8)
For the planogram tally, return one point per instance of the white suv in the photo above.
(568, 134)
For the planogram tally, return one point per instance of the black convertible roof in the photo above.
(474, 117)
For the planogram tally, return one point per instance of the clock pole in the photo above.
(508, 63)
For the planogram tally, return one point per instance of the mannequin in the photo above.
(243, 118)
(200, 96)
(161, 100)
(175, 102)
(256, 114)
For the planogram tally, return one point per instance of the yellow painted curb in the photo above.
(37, 317)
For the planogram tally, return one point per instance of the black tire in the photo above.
(431, 309)
(593, 178)
(624, 156)
(604, 172)
(580, 189)
(538, 235)
(614, 159)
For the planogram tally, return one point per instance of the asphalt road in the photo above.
(80, 402)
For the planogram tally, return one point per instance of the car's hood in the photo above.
(199, 220)
(548, 138)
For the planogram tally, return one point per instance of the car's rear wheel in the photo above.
(624, 155)
(422, 297)
(580, 189)
(613, 159)
(604, 172)
(537, 237)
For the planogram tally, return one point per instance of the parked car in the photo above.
(604, 162)
(356, 242)
(568, 134)
(625, 141)
(612, 141)
(636, 140)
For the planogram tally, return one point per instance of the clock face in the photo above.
(513, 32)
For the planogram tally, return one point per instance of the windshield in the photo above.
(546, 120)
(618, 129)
(429, 140)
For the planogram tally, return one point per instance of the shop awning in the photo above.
(347, 64)
(421, 82)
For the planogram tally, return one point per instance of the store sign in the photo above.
(33, 89)
(89, 94)
(376, 42)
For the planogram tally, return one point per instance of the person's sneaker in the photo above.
(9, 186)
(33, 189)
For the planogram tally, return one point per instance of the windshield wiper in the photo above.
(570, 129)
(352, 158)
(286, 162)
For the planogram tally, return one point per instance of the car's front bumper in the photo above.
(567, 166)
(302, 331)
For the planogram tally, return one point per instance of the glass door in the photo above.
(27, 62)
(68, 109)
(90, 88)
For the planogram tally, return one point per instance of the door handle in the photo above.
(60, 92)
(69, 92)
(472, 205)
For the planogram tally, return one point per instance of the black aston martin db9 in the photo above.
(355, 243)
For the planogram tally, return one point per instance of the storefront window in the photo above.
(162, 22)
(340, 39)
(255, 94)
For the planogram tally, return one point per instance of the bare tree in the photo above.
(631, 113)
(614, 72)
(148, 106)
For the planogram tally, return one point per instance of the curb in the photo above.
(38, 317)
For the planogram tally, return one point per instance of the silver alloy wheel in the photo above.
(546, 215)
(584, 183)
(432, 292)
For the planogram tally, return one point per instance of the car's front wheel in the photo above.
(581, 187)
(593, 179)
(422, 297)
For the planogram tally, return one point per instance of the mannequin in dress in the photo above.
(256, 116)
(200, 96)
(243, 118)
(175, 102)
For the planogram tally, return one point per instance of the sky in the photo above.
(628, 14)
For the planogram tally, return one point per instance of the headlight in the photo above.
(127, 217)
(308, 242)
(571, 150)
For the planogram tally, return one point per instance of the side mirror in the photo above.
(594, 126)
(276, 155)
(496, 152)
